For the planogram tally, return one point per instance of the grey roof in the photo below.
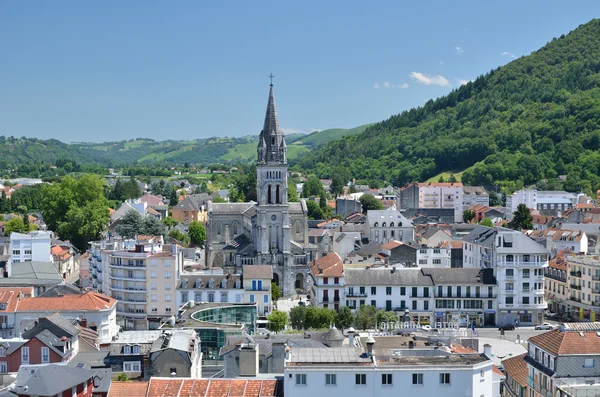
(143, 339)
(332, 355)
(105, 375)
(32, 274)
(520, 242)
(57, 324)
(230, 208)
(373, 248)
(43, 382)
(11, 345)
(481, 235)
(174, 339)
(197, 282)
(431, 231)
(257, 271)
(474, 189)
(193, 202)
(410, 277)
(298, 207)
(265, 342)
(95, 359)
(387, 216)
(454, 275)
(333, 334)
(53, 342)
(61, 290)
(239, 243)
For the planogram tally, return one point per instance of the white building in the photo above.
(210, 288)
(434, 257)
(569, 240)
(30, 247)
(518, 264)
(257, 286)
(327, 274)
(387, 225)
(545, 201)
(475, 195)
(347, 371)
(523, 196)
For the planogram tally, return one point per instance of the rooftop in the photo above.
(516, 368)
(257, 272)
(387, 276)
(330, 265)
(178, 387)
(32, 273)
(90, 301)
(570, 339)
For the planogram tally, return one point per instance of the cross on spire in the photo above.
(271, 77)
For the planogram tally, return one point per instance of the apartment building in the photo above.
(547, 202)
(348, 371)
(327, 274)
(570, 240)
(30, 247)
(433, 195)
(222, 288)
(583, 286)
(142, 275)
(387, 225)
(257, 286)
(557, 289)
(562, 362)
(519, 266)
(9, 301)
(475, 195)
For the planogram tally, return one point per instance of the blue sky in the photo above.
(97, 71)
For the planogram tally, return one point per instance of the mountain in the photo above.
(319, 138)
(534, 118)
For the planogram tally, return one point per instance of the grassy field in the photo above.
(446, 175)
(243, 152)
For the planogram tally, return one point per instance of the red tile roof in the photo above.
(177, 387)
(89, 301)
(496, 370)
(516, 368)
(570, 342)
(330, 265)
(10, 296)
(129, 389)
(60, 252)
(391, 245)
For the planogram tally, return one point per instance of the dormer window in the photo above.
(198, 283)
(376, 224)
(211, 282)
(383, 224)
(2, 351)
(224, 283)
(136, 349)
(184, 283)
(238, 284)
(127, 350)
(2, 306)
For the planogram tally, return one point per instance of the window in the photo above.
(45, 355)
(154, 284)
(330, 379)
(27, 252)
(325, 280)
(373, 290)
(361, 379)
(25, 354)
(388, 290)
(16, 252)
(153, 298)
(3, 368)
(2, 351)
(386, 379)
(414, 305)
(588, 363)
(417, 379)
(525, 300)
(132, 366)
(336, 280)
(425, 305)
(127, 350)
(251, 298)
(168, 298)
(266, 299)
(300, 379)
(173, 371)
(445, 379)
(136, 350)
(510, 272)
(414, 292)
(153, 274)
(508, 300)
(167, 274)
(402, 290)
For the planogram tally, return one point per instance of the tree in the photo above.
(275, 291)
(314, 211)
(339, 177)
(182, 238)
(197, 233)
(495, 199)
(369, 202)
(173, 197)
(383, 317)
(452, 178)
(365, 317)
(297, 317)
(169, 222)
(468, 215)
(345, 318)
(312, 187)
(323, 206)
(277, 320)
(522, 218)
(486, 222)
(15, 225)
(292, 192)
(123, 378)
(76, 209)
(26, 225)
(130, 225)
(153, 227)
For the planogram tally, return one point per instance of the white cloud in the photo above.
(459, 50)
(508, 54)
(428, 79)
(441, 62)
(387, 84)
(462, 81)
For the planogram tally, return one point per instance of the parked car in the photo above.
(549, 314)
(426, 328)
(545, 326)
(506, 327)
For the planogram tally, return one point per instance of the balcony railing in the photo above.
(596, 278)
(575, 299)
(575, 286)
(522, 264)
(356, 295)
(576, 273)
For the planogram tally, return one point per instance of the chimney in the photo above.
(249, 359)
(370, 344)
(351, 332)
(487, 350)
(278, 350)
(83, 323)
(411, 344)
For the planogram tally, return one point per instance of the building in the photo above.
(30, 247)
(433, 236)
(210, 288)
(9, 301)
(58, 380)
(346, 205)
(433, 195)
(475, 195)
(41, 275)
(391, 371)
(142, 275)
(191, 208)
(130, 351)
(519, 265)
(546, 202)
(563, 240)
(257, 287)
(99, 310)
(64, 259)
(556, 287)
(516, 371)
(388, 225)
(176, 353)
(327, 275)
(523, 196)
(583, 286)
(269, 232)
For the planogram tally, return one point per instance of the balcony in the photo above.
(356, 295)
(575, 286)
(128, 265)
(596, 277)
(421, 296)
(518, 306)
(574, 299)
(130, 313)
(595, 290)
(133, 302)
(523, 264)
(575, 273)
(7, 326)
(124, 278)
(509, 291)
(127, 289)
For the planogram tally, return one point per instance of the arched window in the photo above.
(376, 224)
(383, 224)
(400, 224)
(391, 224)
(234, 228)
(278, 197)
(218, 227)
(272, 140)
(269, 194)
(297, 227)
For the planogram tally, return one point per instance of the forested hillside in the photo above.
(534, 118)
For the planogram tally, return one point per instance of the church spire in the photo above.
(275, 150)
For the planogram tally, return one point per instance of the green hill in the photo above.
(322, 137)
(534, 118)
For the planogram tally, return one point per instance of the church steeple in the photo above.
(271, 146)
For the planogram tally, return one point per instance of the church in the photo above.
(271, 231)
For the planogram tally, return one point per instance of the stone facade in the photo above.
(269, 232)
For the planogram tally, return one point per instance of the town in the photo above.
(415, 256)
